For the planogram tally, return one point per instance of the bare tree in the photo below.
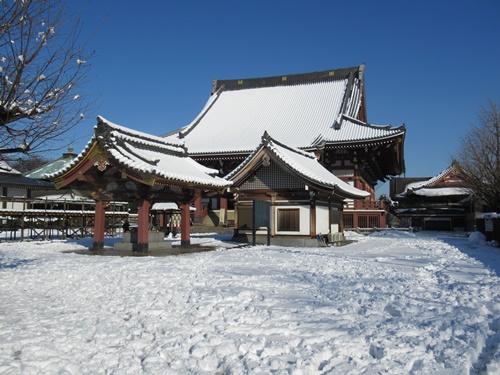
(42, 68)
(479, 157)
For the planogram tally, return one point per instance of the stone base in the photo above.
(156, 242)
(97, 245)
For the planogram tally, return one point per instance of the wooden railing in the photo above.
(22, 218)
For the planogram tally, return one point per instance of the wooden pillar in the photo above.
(273, 214)
(383, 220)
(223, 210)
(198, 214)
(312, 218)
(185, 225)
(99, 225)
(161, 223)
(143, 226)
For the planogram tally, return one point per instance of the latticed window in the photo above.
(374, 221)
(348, 221)
(363, 221)
(288, 220)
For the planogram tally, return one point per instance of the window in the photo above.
(288, 220)
(348, 221)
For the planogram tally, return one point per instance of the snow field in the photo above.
(390, 303)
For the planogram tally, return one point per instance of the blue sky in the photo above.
(430, 65)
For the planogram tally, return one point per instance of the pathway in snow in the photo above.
(411, 304)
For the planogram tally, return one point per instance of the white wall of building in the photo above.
(322, 220)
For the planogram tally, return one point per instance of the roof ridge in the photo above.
(270, 140)
(286, 80)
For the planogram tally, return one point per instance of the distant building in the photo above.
(441, 202)
(52, 166)
(15, 187)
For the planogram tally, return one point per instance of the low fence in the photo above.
(35, 219)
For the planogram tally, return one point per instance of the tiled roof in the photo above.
(351, 130)
(149, 154)
(52, 166)
(428, 188)
(300, 110)
(305, 165)
(19, 181)
(421, 184)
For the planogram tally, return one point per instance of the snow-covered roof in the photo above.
(441, 192)
(168, 206)
(148, 154)
(434, 186)
(300, 110)
(421, 184)
(6, 168)
(303, 164)
(350, 130)
(13, 178)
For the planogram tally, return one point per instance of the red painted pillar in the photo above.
(185, 225)
(99, 225)
(161, 224)
(198, 214)
(143, 226)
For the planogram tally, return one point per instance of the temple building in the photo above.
(287, 193)
(321, 112)
(442, 202)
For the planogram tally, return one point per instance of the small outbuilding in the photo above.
(285, 195)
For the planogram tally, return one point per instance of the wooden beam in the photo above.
(143, 226)
(185, 225)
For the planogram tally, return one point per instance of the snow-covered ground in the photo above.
(396, 303)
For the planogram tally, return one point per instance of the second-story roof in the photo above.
(302, 110)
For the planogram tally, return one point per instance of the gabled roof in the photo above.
(302, 164)
(446, 183)
(145, 154)
(301, 110)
